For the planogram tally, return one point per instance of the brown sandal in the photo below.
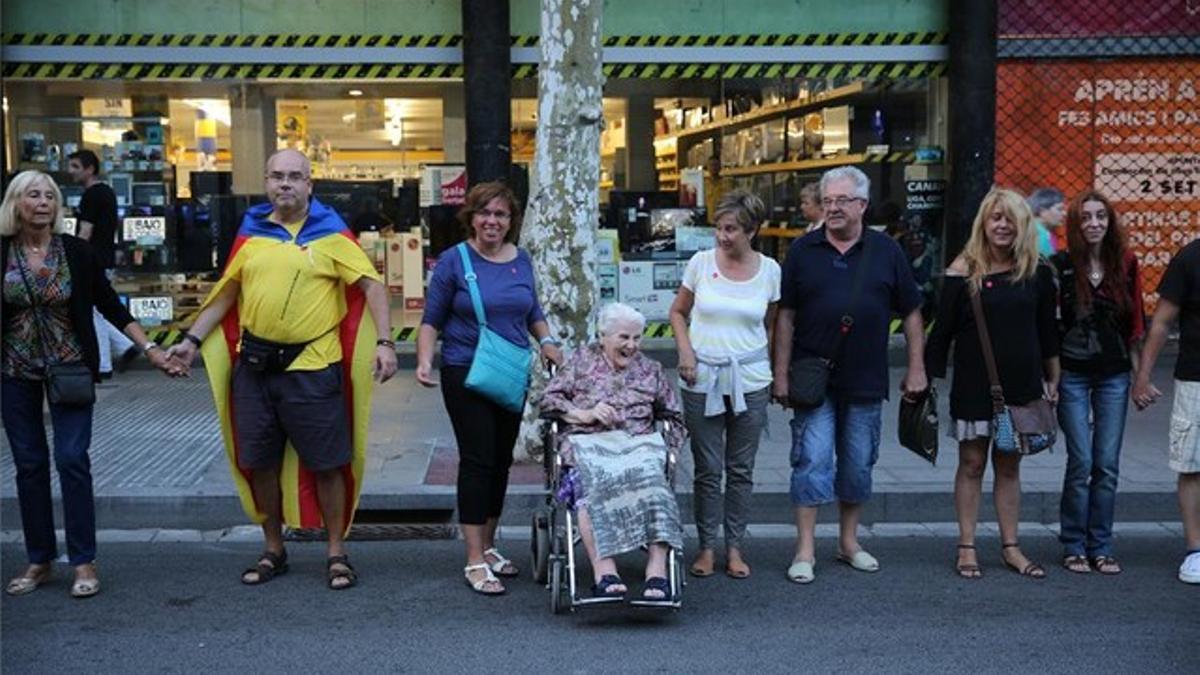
(346, 572)
(968, 570)
(1031, 570)
(1077, 564)
(269, 566)
(1106, 564)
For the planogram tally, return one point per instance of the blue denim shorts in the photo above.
(834, 449)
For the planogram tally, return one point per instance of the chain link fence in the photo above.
(1103, 95)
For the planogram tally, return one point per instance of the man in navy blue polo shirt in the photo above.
(835, 445)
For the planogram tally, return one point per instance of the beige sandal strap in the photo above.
(487, 570)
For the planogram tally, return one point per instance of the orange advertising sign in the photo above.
(1130, 129)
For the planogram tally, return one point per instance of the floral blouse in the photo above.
(640, 393)
(23, 349)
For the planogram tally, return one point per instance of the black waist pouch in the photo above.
(808, 378)
(265, 356)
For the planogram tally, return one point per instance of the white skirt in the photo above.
(969, 430)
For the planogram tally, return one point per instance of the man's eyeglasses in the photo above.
(291, 177)
(502, 216)
(840, 202)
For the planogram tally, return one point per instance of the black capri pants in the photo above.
(486, 434)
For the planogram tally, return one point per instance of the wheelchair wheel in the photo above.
(558, 603)
(539, 545)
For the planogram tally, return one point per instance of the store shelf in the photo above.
(665, 166)
(786, 233)
(767, 112)
(668, 177)
(802, 165)
(606, 185)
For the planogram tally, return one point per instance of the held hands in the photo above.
(1144, 394)
(1050, 391)
(176, 360)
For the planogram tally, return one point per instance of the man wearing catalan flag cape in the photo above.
(289, 336)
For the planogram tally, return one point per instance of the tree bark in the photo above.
(560, 224)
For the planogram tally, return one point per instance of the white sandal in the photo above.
(478, 586)
(500, 564)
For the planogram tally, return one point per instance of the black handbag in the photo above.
(70, 383)
(918, 424)
(808, 376)
(265, 356)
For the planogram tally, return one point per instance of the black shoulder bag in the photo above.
(808, 376)
(68, 383)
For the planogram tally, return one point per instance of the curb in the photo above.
(218, 512)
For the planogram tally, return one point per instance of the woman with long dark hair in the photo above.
(1101, 324)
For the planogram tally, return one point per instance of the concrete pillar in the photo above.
(454, 123)
(251, 136)
(639, 143)
(487, 70)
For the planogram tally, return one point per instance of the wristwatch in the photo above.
(192, 339)
(384, 342)
(549, 340)
(148, 346)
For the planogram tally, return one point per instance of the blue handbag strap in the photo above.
(472, 286)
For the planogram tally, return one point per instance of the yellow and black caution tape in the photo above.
(379, 71)
(879, 158)
(343, 41)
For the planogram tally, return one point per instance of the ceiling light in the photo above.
(355, 92)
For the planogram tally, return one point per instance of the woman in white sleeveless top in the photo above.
(722, 318)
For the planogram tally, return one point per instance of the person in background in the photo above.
(1101, 324)
(715, 187)
(810, 206)
(723, 318)
(1016, 289)
(485, 431)
(1179, 298)
(96, 222)
(1049, 210)
(52, 283)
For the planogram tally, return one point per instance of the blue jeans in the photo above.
(1093, 453)
(21, 409)
(834, 448)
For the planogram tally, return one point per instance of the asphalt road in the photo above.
(179, 608)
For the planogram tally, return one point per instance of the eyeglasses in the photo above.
(502, 216)
(840, 202)
(291, 177)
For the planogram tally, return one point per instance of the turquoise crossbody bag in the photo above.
(500, 369)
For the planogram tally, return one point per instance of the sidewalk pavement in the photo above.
(158, 462)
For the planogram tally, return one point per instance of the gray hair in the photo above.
(745, 207)
(862, 184)
(1043, 198)
(617, 313)
(811, 191)
(9, 220)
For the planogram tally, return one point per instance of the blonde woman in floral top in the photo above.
(606, 387)
(51, 282)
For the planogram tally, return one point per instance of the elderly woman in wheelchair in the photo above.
(607, 399)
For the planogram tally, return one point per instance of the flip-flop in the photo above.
(278, 567)
(85, 588)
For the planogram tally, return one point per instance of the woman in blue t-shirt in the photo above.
(485, 431)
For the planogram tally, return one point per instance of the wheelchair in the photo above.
(556, 538)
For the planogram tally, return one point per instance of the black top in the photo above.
(1096, 340)
(817, 284)
(1181, 285)
(90, 289)
(1020, 319)
(98, 206)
